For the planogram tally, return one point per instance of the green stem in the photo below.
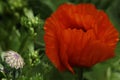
(80, 74)
(23, 43)
(41, 44)
(14, 75)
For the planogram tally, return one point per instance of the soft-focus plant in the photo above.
(21, 31)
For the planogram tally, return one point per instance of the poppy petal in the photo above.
(79, 35)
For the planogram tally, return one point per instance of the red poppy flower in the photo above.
(79, 35)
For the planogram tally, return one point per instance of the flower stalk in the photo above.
(79, 74)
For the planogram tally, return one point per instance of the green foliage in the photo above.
(21, 27)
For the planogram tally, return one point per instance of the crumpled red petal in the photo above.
(79, 35)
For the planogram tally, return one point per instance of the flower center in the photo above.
(16, 56)
(83, 29)
(79, 28)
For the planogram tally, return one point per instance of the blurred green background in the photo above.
(21, 30)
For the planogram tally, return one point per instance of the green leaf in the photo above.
(115, 76)
(98, 72)
(114, 14)
(40, 8)
(2, 74)
(14, 40)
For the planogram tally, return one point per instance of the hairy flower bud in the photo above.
(13, 59)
